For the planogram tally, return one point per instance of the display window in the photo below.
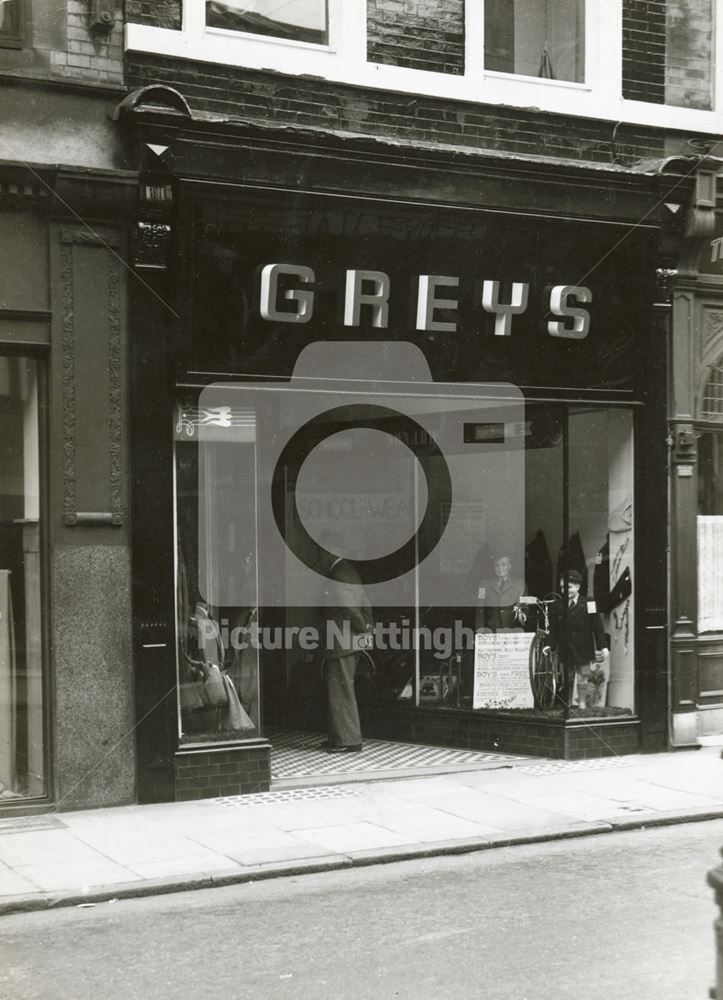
(553, 631)
(537, 38)
(22, 724)
(218, 673)
(543, 628)
(299, 20)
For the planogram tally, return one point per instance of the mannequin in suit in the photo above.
(501, 596)
(585, 642)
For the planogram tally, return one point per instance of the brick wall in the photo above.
(271, 98)
(159, 13)
(644, 27)
(93, 56)
(690, 45)
(517, 733)
(205, 774)
(57, 43)
(418, 34)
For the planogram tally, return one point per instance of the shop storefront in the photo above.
(65, 675)
(696, 439)
(554, 307)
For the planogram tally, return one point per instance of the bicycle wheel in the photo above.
(543, 673)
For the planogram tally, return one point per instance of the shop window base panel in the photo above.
(507, 733)
(206, 772)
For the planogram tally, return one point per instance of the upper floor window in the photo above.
(10, 24)
(542, 38)
(299, 20)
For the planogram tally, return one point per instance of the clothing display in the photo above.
(583, 632)
(601, 577)
(500, 597)
(538, 565)
(572, 556)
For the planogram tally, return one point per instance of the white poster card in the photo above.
(502, 670)
(710, 572)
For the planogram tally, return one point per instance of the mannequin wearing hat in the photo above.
(585, 642)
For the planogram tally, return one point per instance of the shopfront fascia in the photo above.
(557, 306)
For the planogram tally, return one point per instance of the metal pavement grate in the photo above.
(289, 795)
(565, 766)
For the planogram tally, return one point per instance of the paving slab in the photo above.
(64, 859)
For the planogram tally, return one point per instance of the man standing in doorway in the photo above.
(349, 630)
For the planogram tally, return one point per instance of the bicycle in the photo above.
(546, 670)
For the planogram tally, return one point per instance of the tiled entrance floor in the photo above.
(296, 758)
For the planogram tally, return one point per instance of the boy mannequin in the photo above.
(585, 641)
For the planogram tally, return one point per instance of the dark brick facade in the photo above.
(209, 773)
(418, 34)
(274, 99)
(644, 46)
(158, 13)
(528, 735)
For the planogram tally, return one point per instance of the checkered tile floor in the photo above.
(297, 755)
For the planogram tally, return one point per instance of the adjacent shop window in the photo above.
(540, 38)
(710, 526)
(22, 739)
(299, 20)
(218, 670)
(10, 24)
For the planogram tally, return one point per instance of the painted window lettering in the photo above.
(287, 296)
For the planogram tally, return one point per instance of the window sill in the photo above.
(246, 37)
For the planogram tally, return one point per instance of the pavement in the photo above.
(85, 857)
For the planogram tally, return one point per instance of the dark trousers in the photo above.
(344, 725)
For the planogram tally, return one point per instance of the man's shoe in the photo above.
(354, 748)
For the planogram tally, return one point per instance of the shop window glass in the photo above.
(710, 531)
(600, 545)
(218, 669)
(22, 751)
(300, 20)
(535, 653)
(542, 38)
(10, 24)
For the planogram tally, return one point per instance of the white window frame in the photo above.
(343, 60)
